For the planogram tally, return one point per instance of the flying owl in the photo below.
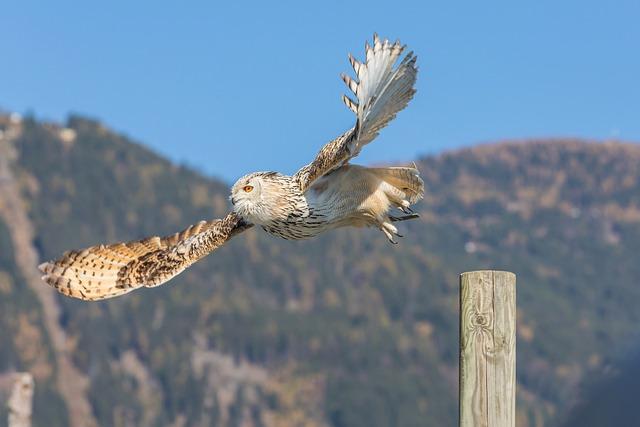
(325, 194)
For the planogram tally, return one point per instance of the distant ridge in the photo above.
(343, 330)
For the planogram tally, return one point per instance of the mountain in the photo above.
(342, 330)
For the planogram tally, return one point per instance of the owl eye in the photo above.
(248, 188)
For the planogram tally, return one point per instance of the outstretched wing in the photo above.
(107, 271)
(381, 90)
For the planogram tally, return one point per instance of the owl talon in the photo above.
(404, 207)
(390, 231)
(403, 218)
(391, 240)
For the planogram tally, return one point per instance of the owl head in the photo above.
(255, 196)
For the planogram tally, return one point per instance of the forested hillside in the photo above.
(343, 330)
(610, 397)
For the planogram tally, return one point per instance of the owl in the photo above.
(325, 194)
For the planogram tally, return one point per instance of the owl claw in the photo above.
(403, 218)
(390, 231)
(390, 239)
(404, 207)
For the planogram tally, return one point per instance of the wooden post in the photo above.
(20, 401)
(487, 349)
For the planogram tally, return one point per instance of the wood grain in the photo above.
(487, 349)
(20, 401)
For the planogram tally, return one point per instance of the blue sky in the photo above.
(233, 88)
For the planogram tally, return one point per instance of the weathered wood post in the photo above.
(487, 349)
(20, 400)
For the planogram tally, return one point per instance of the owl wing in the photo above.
(107, 271)
(381, 90)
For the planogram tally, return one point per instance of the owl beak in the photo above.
(233, 201)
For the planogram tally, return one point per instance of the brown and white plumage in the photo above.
(381, 92)
(328, 192)
(106, 271)
(325, 194)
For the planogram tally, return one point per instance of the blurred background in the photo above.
(124, 120)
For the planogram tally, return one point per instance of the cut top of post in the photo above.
(487, 348)
(20, 401)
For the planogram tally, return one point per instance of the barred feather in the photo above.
(381, 91)
(107, 271)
